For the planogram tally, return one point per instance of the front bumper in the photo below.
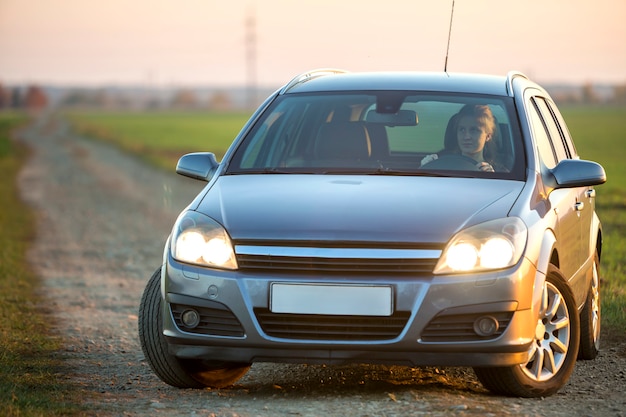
(433, 320)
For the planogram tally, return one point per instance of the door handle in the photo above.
(591, 193)
(579, 206)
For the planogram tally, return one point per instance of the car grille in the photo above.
(342, 259)
(335, 266)
(216, 320)
(460, 327)
(327, 327)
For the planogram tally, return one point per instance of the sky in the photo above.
(267, 42)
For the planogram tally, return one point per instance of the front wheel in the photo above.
(552, 355)
(187, 373)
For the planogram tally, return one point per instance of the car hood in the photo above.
(354, 208)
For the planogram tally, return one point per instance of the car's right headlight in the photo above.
(487, 246)
(200, 240)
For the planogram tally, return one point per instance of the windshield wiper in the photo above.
(349, 171)
(269, 171)
(400, 172)
(382, 170)
(386, 171)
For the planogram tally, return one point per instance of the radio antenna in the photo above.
(445, 65)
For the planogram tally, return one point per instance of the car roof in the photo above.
(327, 80)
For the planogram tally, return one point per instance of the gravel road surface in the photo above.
(103, 217)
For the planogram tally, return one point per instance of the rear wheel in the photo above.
(553, 353)
(188, 373)
(590, 317)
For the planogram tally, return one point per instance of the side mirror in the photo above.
(571, 173)
(199, 165)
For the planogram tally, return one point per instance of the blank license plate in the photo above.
(350, 300)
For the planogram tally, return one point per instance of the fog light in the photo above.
(486, 326)
(190, 318)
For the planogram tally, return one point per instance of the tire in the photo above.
(590, 317)
(553, 353)
(188, 373)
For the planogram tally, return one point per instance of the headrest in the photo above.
(343, 140)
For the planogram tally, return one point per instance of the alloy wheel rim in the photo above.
(552, 335)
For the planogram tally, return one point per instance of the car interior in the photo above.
(349, 133)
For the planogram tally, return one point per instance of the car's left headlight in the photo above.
(200, 240)
(495, 244)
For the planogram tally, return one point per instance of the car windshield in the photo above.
(384, 133)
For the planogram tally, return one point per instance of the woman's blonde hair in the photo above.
(483, 114)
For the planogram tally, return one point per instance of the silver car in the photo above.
(401, 218)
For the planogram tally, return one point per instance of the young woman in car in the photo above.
(470, 133)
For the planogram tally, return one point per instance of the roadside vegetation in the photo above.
(162, 137)
(598, 131)
(30, 379)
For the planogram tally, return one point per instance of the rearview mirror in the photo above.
(199, 165)
(401, 118)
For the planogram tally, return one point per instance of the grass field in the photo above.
(162, 138)
(29, 373)
(599, 133)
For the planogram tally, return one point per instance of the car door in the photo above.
(586, 195)
(564, 202)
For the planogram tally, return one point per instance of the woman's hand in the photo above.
(485, 166)
(429, 158)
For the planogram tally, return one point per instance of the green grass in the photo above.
(162, 138)
(599, 134)
(29, 374)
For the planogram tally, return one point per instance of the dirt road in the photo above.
(103, 219)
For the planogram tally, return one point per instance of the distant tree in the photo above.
(220, 101)
(619, 94)
(152, 103)
(589, 95)
(100, 98)
(5, 97)
(77, 98)
(36, 98)
(17, 98)
(566, 97)
(184, 99)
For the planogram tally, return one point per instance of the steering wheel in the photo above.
(453, 161)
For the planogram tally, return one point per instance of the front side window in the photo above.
(540, 132)
(380, 133)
